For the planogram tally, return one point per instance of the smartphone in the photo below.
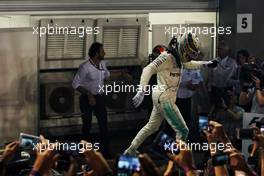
(28, 141)
(220, 159)
(203, 123)
(246, 133)
(166, 143)
(127, 165)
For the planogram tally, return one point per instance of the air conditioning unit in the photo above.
(58, 99)
(118, 101)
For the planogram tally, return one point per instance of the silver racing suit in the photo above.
(164, 96)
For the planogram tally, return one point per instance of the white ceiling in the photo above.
(82, 5)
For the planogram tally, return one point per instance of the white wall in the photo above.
(18, 88)
(181, 18)
(14, 21)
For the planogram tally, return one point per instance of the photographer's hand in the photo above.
(97, 162)
(9, 151)
(238, 162)
(211, 138)
(147, 165)
(259, 92)
(73, 167)
(259, 138)
(218, 133)
(169, 169)
(257, 81)
(184, 159)
(45, 161)
(90, 173)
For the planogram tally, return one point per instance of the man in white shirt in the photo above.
(223, 76)
(88, 81)
(189, 83)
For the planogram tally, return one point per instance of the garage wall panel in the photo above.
(18, 88)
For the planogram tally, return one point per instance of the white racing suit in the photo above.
(164, 107)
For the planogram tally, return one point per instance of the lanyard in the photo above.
(97, 67)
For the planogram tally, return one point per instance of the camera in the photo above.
(258, 122)
(28, 142)
(165, 143)
(22, 159)
(246, 133)
(127, 165)
(246, 72)
(249, 133)
(203, 123)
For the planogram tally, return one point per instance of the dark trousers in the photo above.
(99, 110)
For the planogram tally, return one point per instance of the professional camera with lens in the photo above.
(249, 133)
(259, 122)
(246, 72)
(21, 162)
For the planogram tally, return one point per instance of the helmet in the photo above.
(188, 47)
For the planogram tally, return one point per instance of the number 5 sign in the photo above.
(244, 23)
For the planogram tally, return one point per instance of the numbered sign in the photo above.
(244, 23)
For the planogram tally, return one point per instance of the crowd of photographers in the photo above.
(235, 87)
(46, 161)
